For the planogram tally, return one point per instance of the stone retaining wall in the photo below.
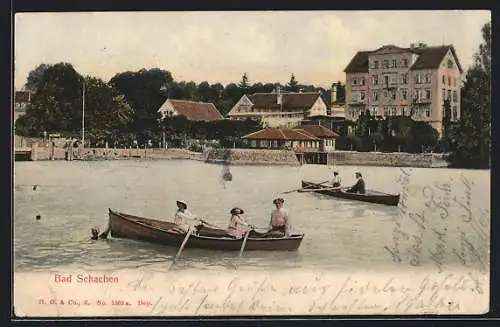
(252, 157)
(394, 159)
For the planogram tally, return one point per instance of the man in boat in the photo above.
(359, 187)
(237, 224)
(183, 218)
(280, 224)
(336, 179)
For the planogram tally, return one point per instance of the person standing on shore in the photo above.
(280, 223)
(359, 187)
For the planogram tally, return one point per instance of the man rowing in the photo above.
(280, 224)
(336, 179)
(359, 187)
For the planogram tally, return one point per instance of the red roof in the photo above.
(319, 131)
(290, 101)
(200, 111)
(281, 134)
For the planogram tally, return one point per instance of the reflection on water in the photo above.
(72, 197)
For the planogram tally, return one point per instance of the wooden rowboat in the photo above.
(370, 195)
(123, 225)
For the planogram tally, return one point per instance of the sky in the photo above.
(214, 46)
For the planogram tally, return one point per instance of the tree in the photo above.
(35, 77)
(292, 85)
(244, 82)
(470, 137)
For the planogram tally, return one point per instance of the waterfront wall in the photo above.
(393, 159)
(252, 157)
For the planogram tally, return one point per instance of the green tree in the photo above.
(470, 137)
(292, 84)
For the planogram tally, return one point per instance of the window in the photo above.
(354, 81)
(405, 63)
(386, 94)
(444, 94)
(393, 95)
(404, 79)
(455, 96)
(362, 81)
(454, 113)
(454, 81)
(253, 143)
(386, 111)
(428, 111)
(374, 111)
(376, 64)
(449, 80)
(386, 64)
(264, 143)
(418, 79)
(428, 94)
(386, 81)
(450, 63)
(449, 95)
(375, 79)
(394, 63)
(394, 79)
(362, 96)
(404, 94)
(393, 111)
(427, 78)
(375, 96)
(444, 79)
(404, 110)
(275, 143)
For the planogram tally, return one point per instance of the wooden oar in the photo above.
(324, 189)
(188, 234)
(302, 188)
(244, 242)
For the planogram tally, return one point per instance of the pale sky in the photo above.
(220, 46)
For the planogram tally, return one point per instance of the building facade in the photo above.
(279, 109)
(22, 99)
(394, 81)
(192, 110)
(283, 138)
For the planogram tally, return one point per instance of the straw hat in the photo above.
(183, 203)
(278, 200)
(237, 211)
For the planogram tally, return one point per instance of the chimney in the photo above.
(334, 93)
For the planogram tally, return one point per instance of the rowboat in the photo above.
(371, 196)
(128, 226)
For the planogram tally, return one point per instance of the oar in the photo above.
(298, 189)
(188, 234)
(244, 242)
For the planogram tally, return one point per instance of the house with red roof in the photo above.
(279, 109)
(305, 139)
(192, 110)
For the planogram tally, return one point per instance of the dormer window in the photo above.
(450, 63)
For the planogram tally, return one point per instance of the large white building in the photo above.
(393, 81)
(279, 109)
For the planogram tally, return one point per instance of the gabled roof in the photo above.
(198, 111)
(290, 101)
(429, 58)
(295, 134)
(358, 64)
(319, 131)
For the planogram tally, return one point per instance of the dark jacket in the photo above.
(359, 187)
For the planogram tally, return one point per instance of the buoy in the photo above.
(34, 187)
(38, 217)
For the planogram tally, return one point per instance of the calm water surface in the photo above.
(72, 197)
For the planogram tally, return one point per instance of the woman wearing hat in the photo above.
(182, 216)
(237, 224)
(280, 220)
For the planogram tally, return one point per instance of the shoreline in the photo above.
(243, 157)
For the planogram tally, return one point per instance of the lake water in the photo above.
(342, 235)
